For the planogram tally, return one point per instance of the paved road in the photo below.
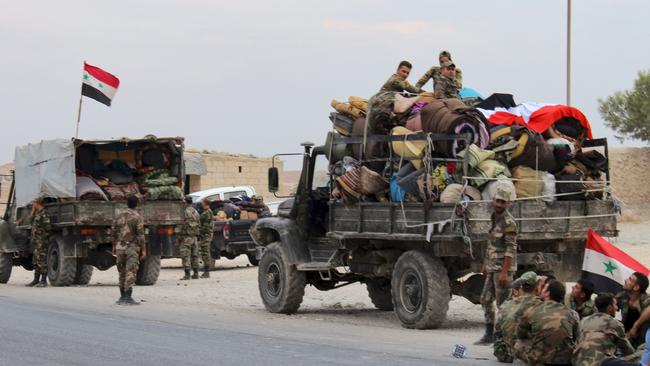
(33, 333)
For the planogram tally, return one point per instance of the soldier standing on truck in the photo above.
(130, 248)
(40, 237)
(189, 246)
(206, 237)
(500, 260)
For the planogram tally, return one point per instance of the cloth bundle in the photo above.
(120, 192)
(88, 190)
(530, 149)
(159, 186)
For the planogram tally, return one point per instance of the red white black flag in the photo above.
(99, 84)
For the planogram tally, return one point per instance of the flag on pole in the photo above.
(99, 84)
(606, 266)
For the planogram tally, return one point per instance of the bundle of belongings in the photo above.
(251, 208)
(444, 150)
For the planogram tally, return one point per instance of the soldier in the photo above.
(398, 83)
(259, 202)
(632, 302)
(511, 311)
(434, 72)
(601, 336)
(205, 236)
(580, 298)
(189, 246)
(547, 332)
(500, 260)
(40, 238)
(130, 248)
(445, 84)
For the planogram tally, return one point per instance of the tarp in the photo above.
(46, 168)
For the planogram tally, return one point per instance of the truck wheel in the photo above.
(379, 293)
(420, 289)
(252, 259)
(60, 270)
(281, 285)
(148, 271)
(84, 273)
(6, 264)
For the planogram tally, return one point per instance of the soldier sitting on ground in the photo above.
(580, 298)
(632, 302)
(398, 83)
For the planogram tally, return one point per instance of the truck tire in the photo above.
(60, 270)
(252, 259)
(6, 264)
(84, 273)
(379, 293)
(420, 289)
(281, 285)
(148, 271)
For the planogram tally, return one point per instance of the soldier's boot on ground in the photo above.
(122, 297)
(206, 272)
(128, 300)
(43, 282)
(488, 337)
(187, 275)
(195, 276)
(37, 277)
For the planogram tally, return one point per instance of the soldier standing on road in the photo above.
(500, 260)
(580, 298)
(445, 84)
(434, 72)
(206, 232)
(398, 83)
(189, 246)
(40, 238)
(130, 248)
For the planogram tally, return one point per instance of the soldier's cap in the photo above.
(445, 53)
(528, 278)
(447, 63)
(504, 191)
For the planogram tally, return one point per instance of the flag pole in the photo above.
(76, 134)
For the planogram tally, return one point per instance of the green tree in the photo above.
(628, 112)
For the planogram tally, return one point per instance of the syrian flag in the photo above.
(99, 84)
(606, 266)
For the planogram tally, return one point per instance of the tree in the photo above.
(628, 112)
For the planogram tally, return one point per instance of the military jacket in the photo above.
(502, 242)
(445, 88)
(510, 313)
(128, 230)
(600, 337)
(551, 329)
(206, 229)
(434, 72)
(395, 83)
(41, 228)
(192, 222)
(584, 310)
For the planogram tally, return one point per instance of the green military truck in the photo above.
(81, 213)
(412, 257)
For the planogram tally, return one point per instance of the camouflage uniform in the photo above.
(622, 300)
(128, 236)
(510, 314)
(584, 310)
(445, 88)
(434, 73)
(40, 237)
(395, 83)
(546, 334)
(205, 236)
(189, 246)
(502, 243)
(600, 337)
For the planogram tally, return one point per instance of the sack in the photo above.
(549, 187)
(577, 188)
(532, 185)
(347, 109)
(403, 104)
(359, 103)
(490, 189)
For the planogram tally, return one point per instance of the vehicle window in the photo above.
(232, 194)
(214, 197)
(321, 176)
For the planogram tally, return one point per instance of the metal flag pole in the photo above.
(568, 54)
(76, 134)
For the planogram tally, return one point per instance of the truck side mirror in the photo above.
(273, 179)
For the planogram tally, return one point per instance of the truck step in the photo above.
(314, 266)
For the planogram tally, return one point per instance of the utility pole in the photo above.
(568, 53)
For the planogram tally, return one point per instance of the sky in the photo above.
(258, 76)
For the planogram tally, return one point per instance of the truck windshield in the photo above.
(321, 175)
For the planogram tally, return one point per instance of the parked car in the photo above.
(222, 193)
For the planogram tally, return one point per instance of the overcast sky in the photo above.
(258, 76)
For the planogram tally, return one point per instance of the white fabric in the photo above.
(87, 185)
(549, 187)
(594, 262)
(46, 168)
(106, 89)
(523, 110)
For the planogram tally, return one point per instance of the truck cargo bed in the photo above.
(102, 213)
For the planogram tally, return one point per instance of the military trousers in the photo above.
(204, 249)
(190, 252)
(493, 292)
(128, 262)
(39, 258)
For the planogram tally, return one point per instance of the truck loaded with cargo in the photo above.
(85, 185)
(407, 206)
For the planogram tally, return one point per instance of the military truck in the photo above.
(81, 219)
(412, 257)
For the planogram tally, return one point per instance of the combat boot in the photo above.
(43, 282)
(37, 277)
(122, 297)
(128, 300)
(195, 276)
(488, 337)
(206, 272)
(187, 275)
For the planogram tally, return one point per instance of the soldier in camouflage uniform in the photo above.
(632, 302)
(547, 332)
(580, 299)
(511, 311)
(601, 336)
(445, 86)
(205, 237)
(40, 238)
(130, 248)
(500, 260)
(189, 245)
(434, 72)
(398, 83)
